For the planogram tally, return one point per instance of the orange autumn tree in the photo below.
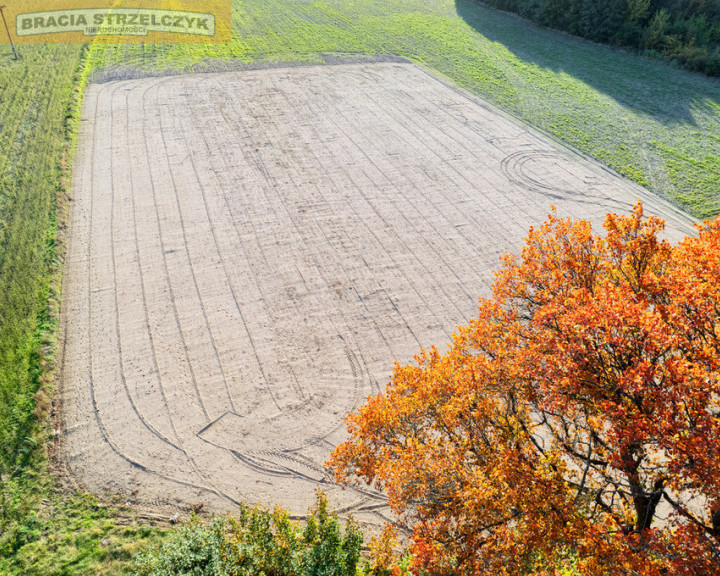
(573, 427)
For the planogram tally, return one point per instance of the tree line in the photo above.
(686, 32)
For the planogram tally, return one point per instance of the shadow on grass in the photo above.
(654, 88)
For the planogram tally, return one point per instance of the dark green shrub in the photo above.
(195, 549)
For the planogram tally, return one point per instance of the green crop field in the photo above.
(655, 124)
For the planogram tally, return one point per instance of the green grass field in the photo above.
(657, 125)
(35, 93)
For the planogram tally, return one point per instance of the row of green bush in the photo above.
(686, 32)
(259, 542)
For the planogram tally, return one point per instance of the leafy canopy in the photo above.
(574, 422)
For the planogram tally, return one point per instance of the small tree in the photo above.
(655, 32)
(636, 10)
(575, 422)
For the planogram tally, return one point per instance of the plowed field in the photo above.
(251, 251)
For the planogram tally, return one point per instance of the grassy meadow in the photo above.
(657, 125)
(35, 95)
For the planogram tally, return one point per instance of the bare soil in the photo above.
(251, 251)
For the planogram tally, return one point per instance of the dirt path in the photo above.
(251, 251)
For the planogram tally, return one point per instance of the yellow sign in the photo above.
(118, 21)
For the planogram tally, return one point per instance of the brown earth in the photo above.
(250, 252)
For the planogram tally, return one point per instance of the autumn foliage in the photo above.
(573, 427)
